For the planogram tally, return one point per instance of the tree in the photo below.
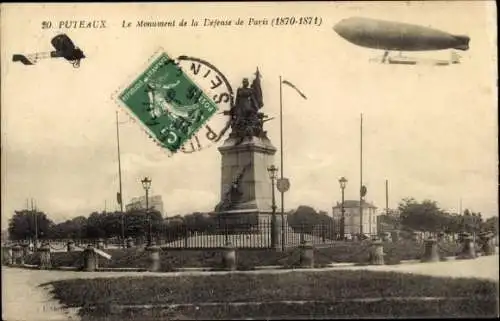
(174, 228)
(24, 224)
(324, 218)
(305, 218)
(199, 222)
(95, 226)
(448, 223)
(425, 216)
(112, 224)
(137, 222)
(491, 225)
(70, 229)
(476, 222)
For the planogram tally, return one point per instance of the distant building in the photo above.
(352, 217)
(154, 202)
(173, 219)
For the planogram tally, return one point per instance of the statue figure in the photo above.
(231, 193)
(246, 120)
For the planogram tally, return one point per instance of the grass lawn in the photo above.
(322, 291)
(247, 259)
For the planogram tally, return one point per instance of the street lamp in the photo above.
(272, 175)
(343, 183)
(146, 184)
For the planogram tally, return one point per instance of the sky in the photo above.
(430, 131)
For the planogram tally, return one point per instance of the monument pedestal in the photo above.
(245, 181)
(246, 187)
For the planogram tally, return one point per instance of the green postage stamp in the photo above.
(168, 103)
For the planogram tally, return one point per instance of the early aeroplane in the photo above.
(64, 48)
(398, 36)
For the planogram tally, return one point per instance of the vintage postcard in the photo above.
(249, 160)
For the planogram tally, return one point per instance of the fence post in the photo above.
(229, 257)
(129, 242)
(100, 244)
(26, 250)
(17, 255)
(90, 259)
(44, 251)
(486, 240)
(70, 246)
(306, 254)
(468, 248)
(154, 258)
(430, 251)
(377, 253)
(7, 256)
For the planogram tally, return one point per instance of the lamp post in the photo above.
(343, 183)
(146, 184)
(272, 175)
(119, 197)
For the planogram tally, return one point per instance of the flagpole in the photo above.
(120, 178)
(361, 178)
(281, 171)
(387, 197)
(36, 222)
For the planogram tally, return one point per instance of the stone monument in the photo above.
(246, 188)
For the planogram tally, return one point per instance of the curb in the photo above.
(341, 264)
(131, 269)
(67, 268)
(254, 269)
(268, 267)
(194, 269)
(409, 262)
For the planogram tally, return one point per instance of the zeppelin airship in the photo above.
(397, 36)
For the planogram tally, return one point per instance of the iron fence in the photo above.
(257, 235)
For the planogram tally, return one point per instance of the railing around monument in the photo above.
(215, 236)
(248, 236)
